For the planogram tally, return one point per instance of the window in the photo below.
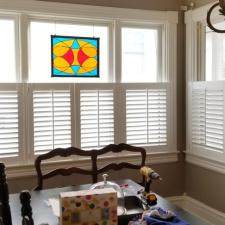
(215, 54)
(40, 49)
(8, 52)
(140, 54)
(130, 102)
(206, 88)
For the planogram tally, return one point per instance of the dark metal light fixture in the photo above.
(221, 4)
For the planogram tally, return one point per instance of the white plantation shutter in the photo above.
(52, 120)
(96, 118)
(9, 124)
(208, 116)
(146, 116)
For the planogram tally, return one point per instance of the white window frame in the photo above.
(15, 17)
(82, 21)
(114, 17)
(147, 25)
(195, 60)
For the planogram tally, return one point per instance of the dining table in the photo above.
(43, 213)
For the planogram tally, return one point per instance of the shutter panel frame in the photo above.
(152, 117)
(96, 109)
(212, 112)
(52, 126)
(12, 115)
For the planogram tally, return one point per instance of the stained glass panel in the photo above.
(74, 56)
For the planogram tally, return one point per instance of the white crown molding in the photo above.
(19, 171)
(205, 162)
(87, 11)
(200, 209)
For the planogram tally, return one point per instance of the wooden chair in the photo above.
(93, 155)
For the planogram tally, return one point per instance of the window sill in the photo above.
(207, 163)
(18, 171)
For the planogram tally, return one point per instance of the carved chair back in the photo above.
(65, 152)
(93, 155)
(112, 148)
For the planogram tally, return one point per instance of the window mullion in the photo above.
(147, 116)
(29, 147)
(22, 54)
(98, 111)
(120, 113)
(53, 120)
(118, 51)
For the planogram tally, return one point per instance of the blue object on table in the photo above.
(158, 216)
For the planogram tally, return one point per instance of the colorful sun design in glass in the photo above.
(75, 56)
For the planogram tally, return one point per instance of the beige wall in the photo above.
(135, 4)
(206, 186)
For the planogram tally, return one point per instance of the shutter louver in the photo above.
(52, 120)
(9, 126)
(146, 116)
(96, 118)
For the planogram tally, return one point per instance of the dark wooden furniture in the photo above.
(26, 210)
(5, 213)
(93, 155)
(42, 212)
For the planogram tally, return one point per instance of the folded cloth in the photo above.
(158, 216)
(159, 213)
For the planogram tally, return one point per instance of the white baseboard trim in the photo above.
(200, 209)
